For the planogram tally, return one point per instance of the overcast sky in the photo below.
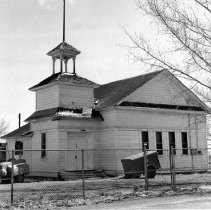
(31, 28)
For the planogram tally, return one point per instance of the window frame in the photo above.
(19, 148)
(160, 143)
(143, 142)
(43, 145)
(184, 145)
(174, 143)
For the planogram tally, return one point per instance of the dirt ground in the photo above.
(47, 194)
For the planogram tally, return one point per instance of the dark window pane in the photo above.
(19, 147)
(145, 139)
(172, 141)
(184, 143)
(159, 143)
(43, 145)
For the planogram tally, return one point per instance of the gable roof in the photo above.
(64, 77)
(111, 93)
(22, 131)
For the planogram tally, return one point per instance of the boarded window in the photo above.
(184, 138)
(145, 139)
(172, 141)
(19, 148)
(43, 145)
(159, 143)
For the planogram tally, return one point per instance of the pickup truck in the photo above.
(20, 169)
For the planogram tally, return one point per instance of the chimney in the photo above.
(19, 120)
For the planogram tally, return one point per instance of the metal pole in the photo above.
(83, 175)
(173, 168)
(192, 162)
(145, 168)
(170, 163)
(12, 177)
(19, 120)
(64, 21)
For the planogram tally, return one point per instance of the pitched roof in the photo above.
(64, 77)
(42, 114)
(65, 47)
(111, 93)
(22, 131)
(63, 113)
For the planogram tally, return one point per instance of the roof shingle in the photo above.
(22, 131)
(64, 77)
(111, 93)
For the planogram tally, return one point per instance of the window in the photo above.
(43, 145)
(19, 148)
(145, 139)
(184, 138)
(172, 141)
(159, 144)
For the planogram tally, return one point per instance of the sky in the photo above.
(31, 28)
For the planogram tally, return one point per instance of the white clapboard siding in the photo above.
(47, 166)
(43, 125)
(161, 90)
(105, 157)
(76, 95)
(109, 117)
(79, 124)
(62, 145)
(47, 97)
(133, 118)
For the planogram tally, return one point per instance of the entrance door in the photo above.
(77, 142)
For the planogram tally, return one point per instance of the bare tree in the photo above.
(185, 28)
(3, 127)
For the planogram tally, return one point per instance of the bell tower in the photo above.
(64, 52)
(64, 88)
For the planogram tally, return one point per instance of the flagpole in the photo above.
(64, 21)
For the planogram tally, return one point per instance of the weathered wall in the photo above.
(78, 96)
(47, 97)
(47, 166)
(129, 123)
(163, 89)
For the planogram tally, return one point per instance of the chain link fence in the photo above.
(31, 176)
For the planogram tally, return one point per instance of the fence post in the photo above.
(172, 168)
(145, 168)
(192, 163)
(83, 175)
(12, 177)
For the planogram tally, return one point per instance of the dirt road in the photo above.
(177, 202)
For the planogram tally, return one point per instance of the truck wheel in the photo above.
(19, 178)
(151, 172)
